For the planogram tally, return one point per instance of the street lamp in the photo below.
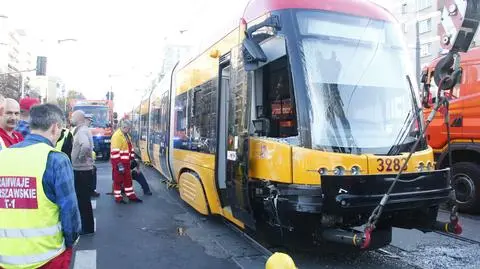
(66, 39)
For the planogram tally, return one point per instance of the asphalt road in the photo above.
(164, 232)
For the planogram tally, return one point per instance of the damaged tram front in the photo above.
(333, 115)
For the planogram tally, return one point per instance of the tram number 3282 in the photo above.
(391, 165)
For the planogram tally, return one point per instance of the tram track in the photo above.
(459, 237)
(267, 252)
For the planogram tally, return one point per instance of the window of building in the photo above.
(425, 49)
(423, 4)
(404, 27)
(404, 8)
(425, 26)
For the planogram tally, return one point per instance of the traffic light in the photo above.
(41, 66)
(109, 95)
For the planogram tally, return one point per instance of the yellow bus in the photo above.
(298, 120)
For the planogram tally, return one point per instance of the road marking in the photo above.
(85, 259)
(94, 224)
(94, 204)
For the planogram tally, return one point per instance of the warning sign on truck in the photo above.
(18, 192)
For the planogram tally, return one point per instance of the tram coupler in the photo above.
(353, 238)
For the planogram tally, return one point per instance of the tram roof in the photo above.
(363, 8)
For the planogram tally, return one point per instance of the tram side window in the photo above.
(204, 121)
(164, 113)
(155, 120)
(196, 118)
(279, 102)
(181, 116)
(144, 119)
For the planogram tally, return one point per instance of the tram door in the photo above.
(232, 151)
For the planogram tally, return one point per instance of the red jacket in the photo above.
(10, 140)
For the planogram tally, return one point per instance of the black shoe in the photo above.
(149, 193)
(121, 202)
(95, 194)
(136, 200)
(87, 233)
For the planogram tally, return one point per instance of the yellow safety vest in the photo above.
(62, 141)
(30, 227)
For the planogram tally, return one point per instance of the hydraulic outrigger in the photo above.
(460, 20)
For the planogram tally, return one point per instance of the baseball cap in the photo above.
(27, 103)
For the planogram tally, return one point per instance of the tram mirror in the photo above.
(252, 53)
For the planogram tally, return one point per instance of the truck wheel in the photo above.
(466, 182)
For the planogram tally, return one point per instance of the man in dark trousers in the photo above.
(138, 176)
(82, 163)
(89, 119)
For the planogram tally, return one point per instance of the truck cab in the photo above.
(464, 110)
(101, 126)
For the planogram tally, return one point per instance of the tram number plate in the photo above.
(390, 164)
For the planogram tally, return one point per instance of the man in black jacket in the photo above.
(65, 143)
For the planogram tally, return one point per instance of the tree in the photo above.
(9, 86)
(71, 95)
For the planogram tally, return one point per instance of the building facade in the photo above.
(428, 14)
(16, 57)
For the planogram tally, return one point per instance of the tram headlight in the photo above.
(421, 167)
(338, 171)
(323, 171)
(355, 170)
(429, 166)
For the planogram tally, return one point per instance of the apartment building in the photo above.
(428, 14)
(15, 57)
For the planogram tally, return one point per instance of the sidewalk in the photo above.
(163, 232)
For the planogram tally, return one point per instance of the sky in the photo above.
(118, 42)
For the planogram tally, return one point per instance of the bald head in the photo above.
(78, 118)
(11, 115)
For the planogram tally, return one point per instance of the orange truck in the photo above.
(102, 124)
(464, 110)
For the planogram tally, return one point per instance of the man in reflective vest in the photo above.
(65, 143)
(121, 153)
(39, 216)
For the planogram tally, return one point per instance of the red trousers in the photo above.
(123, 180)
(62, 261)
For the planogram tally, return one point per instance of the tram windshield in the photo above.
(356, 77)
